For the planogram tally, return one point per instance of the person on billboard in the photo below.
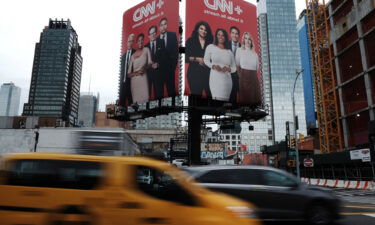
(247, 69)
(233, 45)
(169, 63)
(157, 50)
(139, 62)
(198, 74)
(125, 91)
(221, 62)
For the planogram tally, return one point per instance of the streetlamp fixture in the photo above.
(298, 72)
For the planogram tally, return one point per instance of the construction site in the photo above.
(341, 45)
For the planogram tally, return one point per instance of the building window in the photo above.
(370, 48)
(358, 128)
(349, 68)
(354, 95)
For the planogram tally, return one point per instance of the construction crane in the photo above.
(330, 134)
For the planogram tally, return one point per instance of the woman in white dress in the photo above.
(247, 70)
(139, 62)
(221, 62)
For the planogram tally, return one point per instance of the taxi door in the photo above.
(151, 195)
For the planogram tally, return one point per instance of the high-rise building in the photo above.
(88, 106)
(281, 59)
(56, 74)
(308, 84)
(352, 36)
(9, 99)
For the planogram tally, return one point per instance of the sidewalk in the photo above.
(347, 184)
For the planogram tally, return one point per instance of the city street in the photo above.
(358, 208)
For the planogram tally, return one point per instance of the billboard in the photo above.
(221, 60)
(149, 52)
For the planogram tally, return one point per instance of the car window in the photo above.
(159, 184)
(272, 178)
(55, 174)
(230, 176)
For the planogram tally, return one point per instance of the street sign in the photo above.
(308, 162)
(363, 154)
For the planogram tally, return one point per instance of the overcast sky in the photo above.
(98, 24)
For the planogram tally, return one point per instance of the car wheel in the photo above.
(319, 214)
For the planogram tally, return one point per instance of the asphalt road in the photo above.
(358, 208)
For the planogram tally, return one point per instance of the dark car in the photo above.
(278, 195)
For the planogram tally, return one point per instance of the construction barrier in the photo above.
(347, 184)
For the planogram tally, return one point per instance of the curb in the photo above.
(346, 184)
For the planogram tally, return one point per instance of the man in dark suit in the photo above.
(169, 64)
(154, 75)
(233, 45)
(125, 89)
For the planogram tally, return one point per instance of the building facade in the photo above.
(9, 99)
(88, 106)
(170, 121)
(101, 121)
(308, 84)
(278, 18)
(352, 36)
(56, 74)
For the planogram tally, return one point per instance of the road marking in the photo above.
(372, 215)
(358, 213)
(360, 207)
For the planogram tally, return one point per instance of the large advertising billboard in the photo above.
(149, 53)
(221, 60)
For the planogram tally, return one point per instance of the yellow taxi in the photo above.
(51, 189)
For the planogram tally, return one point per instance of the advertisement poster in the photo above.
(149, 52)
(222, 61)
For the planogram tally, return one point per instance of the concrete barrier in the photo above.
(347, 184)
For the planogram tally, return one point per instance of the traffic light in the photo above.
(301, 138)
(291, 163)
(292, 142)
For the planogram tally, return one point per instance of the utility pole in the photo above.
(298, 72)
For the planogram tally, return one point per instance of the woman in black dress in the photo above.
(198, 73)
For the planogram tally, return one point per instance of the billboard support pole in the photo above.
(194, 133)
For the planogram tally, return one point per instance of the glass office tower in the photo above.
(56, 74)
(284, 60)
(9, 99)
(308, 83)
(88, 107)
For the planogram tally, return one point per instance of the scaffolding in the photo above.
(324, 78)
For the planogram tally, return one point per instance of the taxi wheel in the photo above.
(71, 215)
(319, 213)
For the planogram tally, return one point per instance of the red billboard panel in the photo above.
(221, 51)
(149, 53)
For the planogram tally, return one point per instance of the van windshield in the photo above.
(55, 174)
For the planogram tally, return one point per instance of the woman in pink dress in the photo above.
(139, 62)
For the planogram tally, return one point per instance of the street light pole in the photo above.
(298, 72)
